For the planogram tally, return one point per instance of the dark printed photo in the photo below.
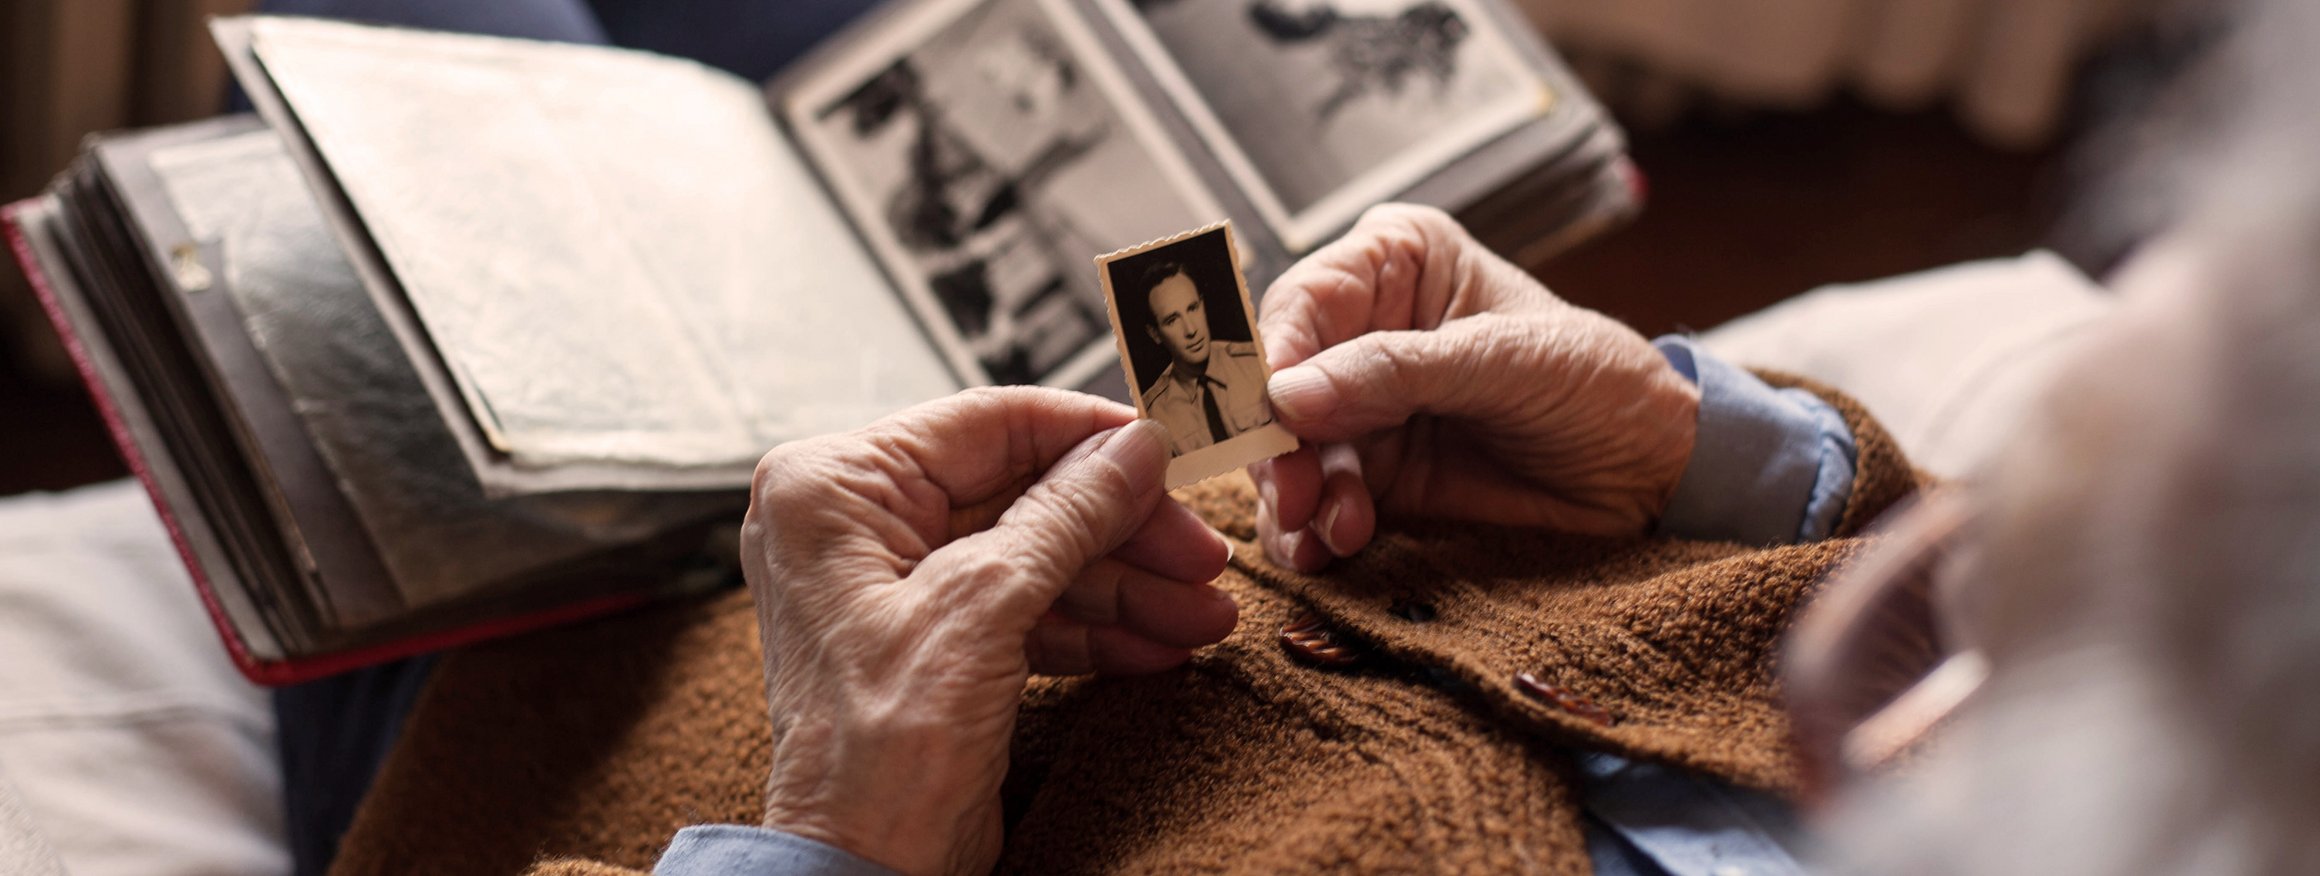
(994, 164)
(1320, 96)
(1185, 324)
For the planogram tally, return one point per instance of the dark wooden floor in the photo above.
(1744, 211)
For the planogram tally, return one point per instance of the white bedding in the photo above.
(132, 743)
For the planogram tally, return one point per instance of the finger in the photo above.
(1059, 646)
(1400, 267)
(1293, 548)
(985, 443)
(1088, 504)
(1177, 613)
(1361, 282)
(1348, 517)
(1380, 380)
(1289, 486)
(1172, 612)
(1176, 543)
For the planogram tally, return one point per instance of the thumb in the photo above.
(1088, 504)
(1379, 380)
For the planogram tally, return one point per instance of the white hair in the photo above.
(2148, 584)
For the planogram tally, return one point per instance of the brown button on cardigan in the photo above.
(582, 750)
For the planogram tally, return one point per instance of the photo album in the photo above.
(461, 336)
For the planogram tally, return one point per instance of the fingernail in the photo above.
(1222, 539)
(1301, 393)
(1326, 527)
(1139, 449)
(1266, 500)
(1281, 549)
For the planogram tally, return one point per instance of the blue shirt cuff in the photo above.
(1769, 466)
(737, 850)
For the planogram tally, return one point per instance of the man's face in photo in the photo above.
(1180, 321)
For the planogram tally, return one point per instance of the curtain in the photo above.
(69, 68)
(2004, 65)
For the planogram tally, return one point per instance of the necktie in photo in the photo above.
(1208, 388)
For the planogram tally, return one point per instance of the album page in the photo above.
(1319, 110)
(986, 149)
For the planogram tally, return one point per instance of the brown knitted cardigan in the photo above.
(582, 750)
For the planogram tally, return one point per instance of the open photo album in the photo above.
(459, 336)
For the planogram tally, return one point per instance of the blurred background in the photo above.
(1786, 143)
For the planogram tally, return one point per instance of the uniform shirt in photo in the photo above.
(1235, 377)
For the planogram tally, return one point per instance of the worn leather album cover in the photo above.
(294, 512)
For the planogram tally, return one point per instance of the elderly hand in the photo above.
(1430, 377)
(910, 576)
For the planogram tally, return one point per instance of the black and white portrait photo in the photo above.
(1323, 107)
(986, 151)
(1187, 337)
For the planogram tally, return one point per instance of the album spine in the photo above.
(268, 672)
(117, 427)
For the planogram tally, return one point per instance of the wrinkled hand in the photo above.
(1430, 377)
(910, 576)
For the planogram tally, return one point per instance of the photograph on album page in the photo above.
(1320, 108)
(985, 148)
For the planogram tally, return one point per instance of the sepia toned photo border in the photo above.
(896, 39)
(1304, 229)
(1262, 443)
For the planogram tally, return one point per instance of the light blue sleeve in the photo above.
(1769, 466)
(737, 850)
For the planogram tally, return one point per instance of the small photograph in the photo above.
(984, 150)
(1188, 340)
(1321, 108)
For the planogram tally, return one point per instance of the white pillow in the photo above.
(133, 744)
(1947, 358)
